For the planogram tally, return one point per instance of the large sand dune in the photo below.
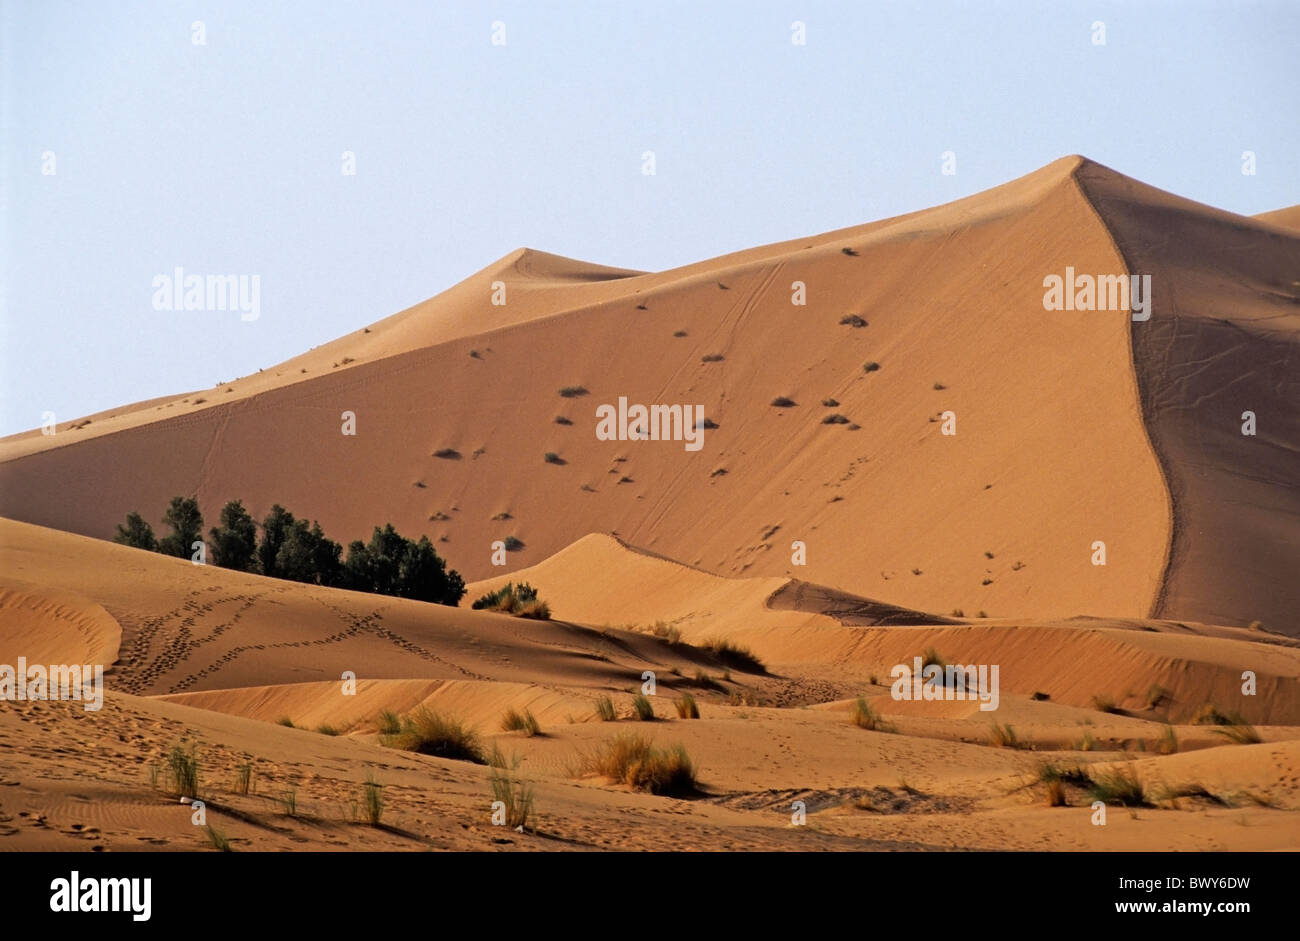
(1073, 427)
(1051, 454)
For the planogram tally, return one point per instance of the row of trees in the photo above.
(292, 549)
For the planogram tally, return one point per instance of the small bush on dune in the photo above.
(516, 721)
(1056, 777)
(218, 839)
(389, 723)
(836, 419)
(864, 717)
(515, 794)
(327, 729)
(1168, 743)
(1003, 736)
(372, 800)
(642, 708)
(1117, 786)
(520, 600)
(286, 722)
(686, 707)
(432, 733)
(244, 778)
(734, 655)
(782, 401)
(571, 392)
(1239, 732)
(667, 631)
(704, 681)
(1209, 714)
(632, 760)
(183, 770)
(1104, 703)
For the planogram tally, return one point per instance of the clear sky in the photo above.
(226, 158)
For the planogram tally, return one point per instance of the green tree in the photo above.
(386, 553)
(186, 524)
(234, 542)
(307, 556)
(275, 528)
(424, 575)
(137, 533)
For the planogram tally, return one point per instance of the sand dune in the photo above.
(888, 507)
(1073, 427)
(1288, 218)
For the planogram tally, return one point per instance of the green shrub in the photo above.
(686, 707)
(642, 708)
(520, 600)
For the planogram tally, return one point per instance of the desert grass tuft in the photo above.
(218, 839)
(632, 759)
(432, 733)
(735, 655)
(686, 707)
(1168, 743)
(1209, 714)
(514, 794)
(516, 721)
(864, 717)
(642, 708)
(1239, 733)
(244, 778)
(183, 770)
(372, 799)
(605, 709)
(1104, 703)
(389, 722)
(1004, 736)
(1117, 786)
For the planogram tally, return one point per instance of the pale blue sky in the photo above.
(225, 158)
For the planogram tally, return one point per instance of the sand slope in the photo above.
(78, 780)
(887, 506)
(1223, 340)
